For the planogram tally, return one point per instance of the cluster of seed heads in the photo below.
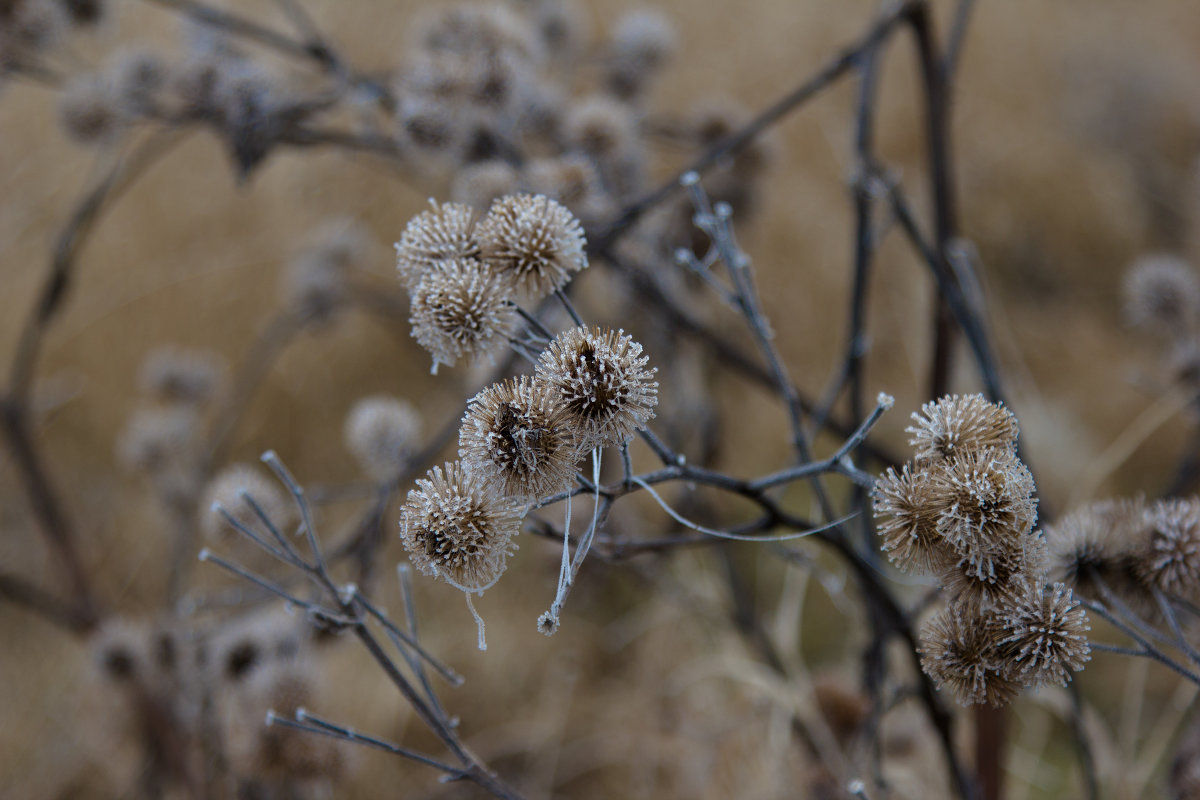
(964, 511)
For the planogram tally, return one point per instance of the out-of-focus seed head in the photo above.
(562, 26)
(1162, 295)
(987, 505)
(138, 77)
(90, 111)
(959, 651)
(534, 242)
(85, 12)
(1013, 574)
(600, 377)
(160, 439)
(1044, 636)
(1168, 558)
(382, 432)
(227, 489)
(1097, 540)
(171, 374)
(607, 132)
(907, 511)
(517, 438)
(461, 309)
(456, 528)
(573, 181)
(28, 29)
(314, 282)
(446, 232)
(958, 423)
(480, 184)
(642, 42)
(120, 651)
(473, 29)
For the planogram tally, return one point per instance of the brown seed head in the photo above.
(381, 432)
(533, 241)
(516, 436)
(1013, 573)
(958, 650)
(171, 374)
(907, 511)
(445, 232)
(461, 309)
(227, 488)
(1169, 556)
(958, 423)
(1162, 294)
(455, 528)
(480, 184)
(600, 377)
(1097, 540)
(1044, 636)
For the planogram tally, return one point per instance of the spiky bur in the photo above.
(1168, 558)
(1014, 574)
(600, 377)
(1097, 542)
(461, 309)
(1162, 295)
(534, 242)
(1044, 636)
(445, 232)
(987, 506)
(959, 651)
(960, 423)
(455, 528)
(381, 432)
(516, 437)
(907, 512)
(228, 489)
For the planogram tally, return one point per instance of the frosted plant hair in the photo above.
(461, 309)
(907, 512)
(534, 242)
(601, 379)
(1097, 540)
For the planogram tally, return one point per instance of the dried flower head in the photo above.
(600, 377)
(120, 650)
(456, 528)
(562, 26)
(480, 184)
(607, 131)
(1044, 636)
(478, 29)
(1162, 294)
(957, 423)
(173, 374)
(908, 512)
(642, 41)
(382, 432)
(959, 651)
(1169, 556)
(315, 281)
(517, 438)
(161, 439)
(445, 232)
(461, 309)
(227, 489)
(1015, 572)
(534, 242)
(988, 506)
(1096, 541)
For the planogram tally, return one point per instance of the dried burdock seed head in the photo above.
(315, 281)
(445, 232)
(1013, 574)
(562, 26)
(600, 378)
(227, 488)
(461, 309)
(958, 423)
(382, 432)
(1162, 295)
(138, 76)
(959, 651)
(1097, 541)
(430, 126)
(1168, 557)
(171, 374)
(517, 437)
(480, 184)
(90, 111)
(1043, 636)
(160, 439)
(456, 528)
(988, 506)
(573, 181)
(85, 12)
(534, 242)
(601, 127)
(642, 41)
(255, 642)
(907, 510)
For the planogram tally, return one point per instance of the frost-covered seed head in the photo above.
(959, 651)
(517, 438)
(1162, 294)
(445, 232)
(1013, 574)
(461, 309)
(1044, 636)
(381, 432)
(600, 377)
(958, 423)
(533, 241)
(1169, 557)
(907, 512)
(457, 529)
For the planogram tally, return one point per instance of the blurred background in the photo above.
(1075, 137)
